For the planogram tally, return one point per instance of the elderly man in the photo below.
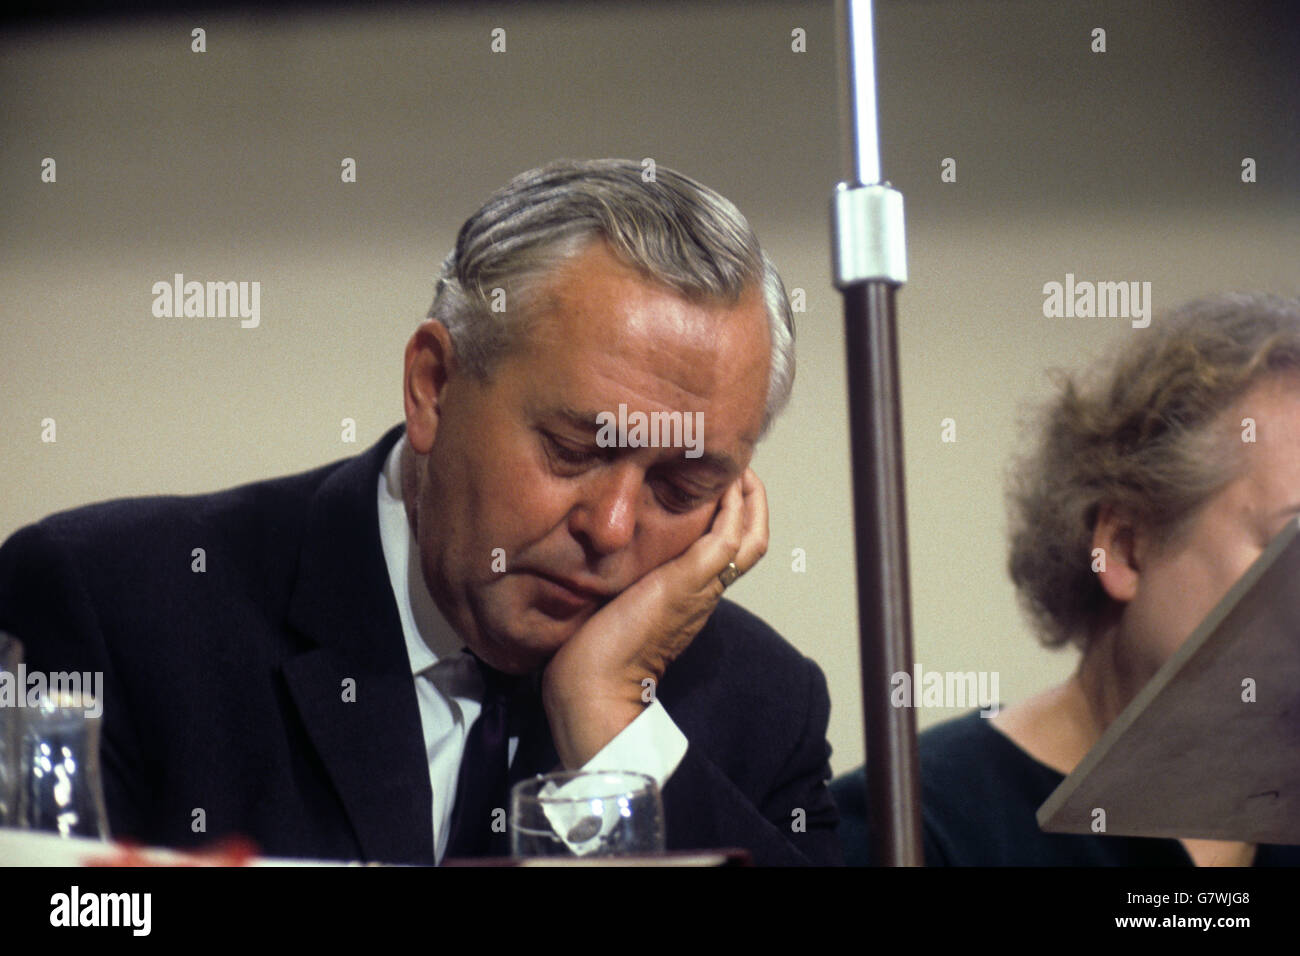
(375, 649)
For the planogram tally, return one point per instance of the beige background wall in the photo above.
(1123, 165)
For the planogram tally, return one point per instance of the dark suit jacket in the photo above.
(223, 689)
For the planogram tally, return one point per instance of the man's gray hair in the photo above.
(681, 233)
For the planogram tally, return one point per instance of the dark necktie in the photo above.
(477, 828)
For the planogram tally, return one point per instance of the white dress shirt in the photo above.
(448, 685)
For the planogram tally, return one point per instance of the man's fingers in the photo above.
(739, 536)
(728, 528)
(754, 543)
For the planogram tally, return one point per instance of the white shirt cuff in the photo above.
(652, 744)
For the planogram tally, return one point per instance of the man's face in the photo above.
(513, 476)
(1182, 582)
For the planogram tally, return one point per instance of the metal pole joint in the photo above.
(867, 237)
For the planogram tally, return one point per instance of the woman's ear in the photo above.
(1115, 553)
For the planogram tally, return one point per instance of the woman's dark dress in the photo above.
(979, 794)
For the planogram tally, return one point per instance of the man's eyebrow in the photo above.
(716, 461)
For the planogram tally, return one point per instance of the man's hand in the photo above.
(592, 687)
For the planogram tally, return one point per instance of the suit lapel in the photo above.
(352, 685)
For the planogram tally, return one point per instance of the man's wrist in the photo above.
(581, 726)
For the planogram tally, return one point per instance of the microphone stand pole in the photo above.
(869, 263)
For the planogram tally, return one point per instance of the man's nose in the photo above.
(606, 515)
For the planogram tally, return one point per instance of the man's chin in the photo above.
(531, 640)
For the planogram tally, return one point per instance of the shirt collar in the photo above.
(429, 635)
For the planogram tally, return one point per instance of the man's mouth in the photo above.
(564, 598)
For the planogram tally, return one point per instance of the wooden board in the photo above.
(1188, 757)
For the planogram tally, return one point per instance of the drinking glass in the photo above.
(59, 767)
(11, 654)
(586, 813)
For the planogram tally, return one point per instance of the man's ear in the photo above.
(428, 365)
(1118, 566)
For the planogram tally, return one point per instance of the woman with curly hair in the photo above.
(1149, 463)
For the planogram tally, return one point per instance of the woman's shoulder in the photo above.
(979, 793)
(971, 750)
(970, 734)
